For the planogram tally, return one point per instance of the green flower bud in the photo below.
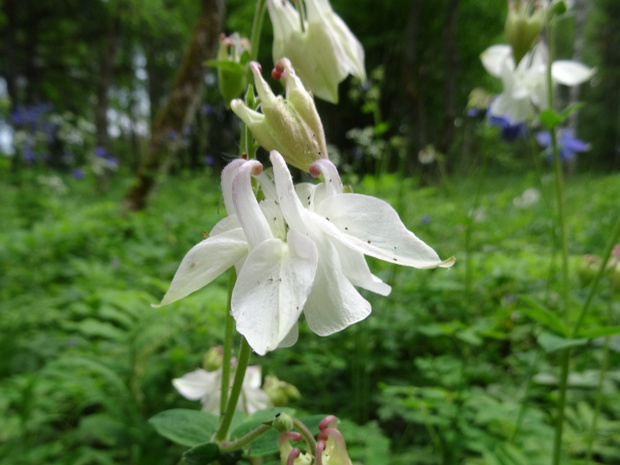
(212, 360)
(283, 423)
(289, 125)
(232, 58)
(525, 21)
(279, 391)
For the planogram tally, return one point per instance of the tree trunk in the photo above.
(107, 64)
(179, 110)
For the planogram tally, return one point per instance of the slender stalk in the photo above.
(227, 447)
(526, 393)
(242, 364)
(257, 27)
(228, 337)
(307, 435)
(561, 219)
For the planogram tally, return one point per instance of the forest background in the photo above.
(85, 361)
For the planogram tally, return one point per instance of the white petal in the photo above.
(333, 303)
(494, 57)
(356, 270)
(291, 338)
(195, 385)
(205, 262)
(228, 223)
(228, 175)
(373, 227)
(250, 215)
(571, 73)
(272, 288)
(292, 209)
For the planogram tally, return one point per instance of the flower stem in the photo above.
(561, 219)
(228, 337)
(257, 27)
(306, 434)
(227, 447)
(242, 364)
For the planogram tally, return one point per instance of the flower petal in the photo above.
(373, 227)
(195, 385)
(272, 288)
(205, 262)
(493, 59)
(356, 270)
(333, 303)
(571, 73)
(228, 175)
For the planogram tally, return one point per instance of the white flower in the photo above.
(344, 228)
(324, 53)
(525, 87)
(206, 387)
(274, 277)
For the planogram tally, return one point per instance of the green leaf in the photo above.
(202, 454)
(568, 110)
(550, 118)
(544, 316)
(268, 442)
(245, 58)
(600, 332)
(186, 427)
(551, 342)
(226, 65)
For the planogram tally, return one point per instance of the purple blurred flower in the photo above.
(78, 173)
(101, 152)
(113, 162)
(29, 156)
(568, 144)
(426, 219)
(508, 130)
(473, 112)
(209, 160)
(172, 135)
(207, 109)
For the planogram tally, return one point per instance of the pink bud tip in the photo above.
(292, 435)
(292, 456)
(255, 65)
(315, 172)
(328, 421)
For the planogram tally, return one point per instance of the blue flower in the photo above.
(78, 173)
(508, 130)
(568, 144)
(101, 152)
(209, 160)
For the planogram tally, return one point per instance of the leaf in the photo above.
(186, 427)
(551, 342)
(202, 454)
(544, 316)
(571, 108)
(550, 118)
(600, 332)
(226, 65)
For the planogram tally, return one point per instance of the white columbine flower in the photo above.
(324, 53)
(525, 86)
(344, 228)
(275, 268)
(206, 387)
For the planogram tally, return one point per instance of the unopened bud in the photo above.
(525, 21)
(279, 391)
(232, 75)
(283, 423)
(212, 360)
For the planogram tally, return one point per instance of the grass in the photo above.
(447, 369)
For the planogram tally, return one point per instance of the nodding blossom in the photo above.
(323, 51)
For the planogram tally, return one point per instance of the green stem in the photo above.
(257, 27)
(559, 186)
(227, 355)
(526, 394)
(307, 435)
(227, 447)
(615, 235)
(242, 364)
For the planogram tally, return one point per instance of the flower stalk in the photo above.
(228, 337)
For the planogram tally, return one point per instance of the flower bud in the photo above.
(525, 20)
(290, 125)
(283, 423)
(212, 360)
(231, 68)
(279, 391)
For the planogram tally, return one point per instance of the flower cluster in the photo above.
(301, 249)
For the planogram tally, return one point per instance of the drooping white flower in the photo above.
(344, 228)
(324, 53)
(275, 268)
(524, 86)
(206, 387)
